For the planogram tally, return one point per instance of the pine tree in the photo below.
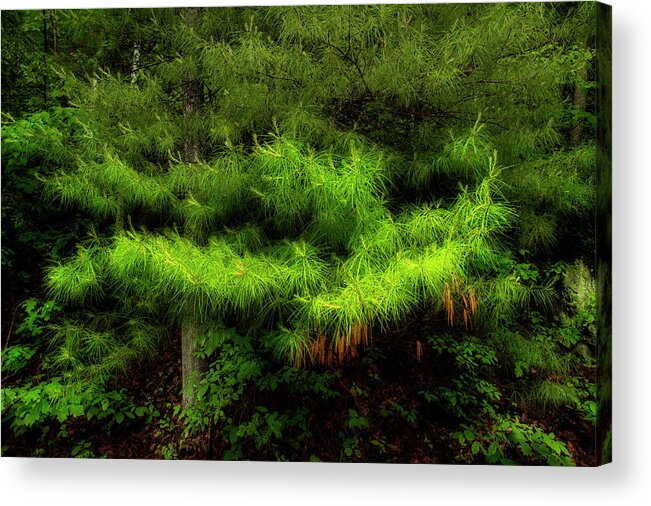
(310, 176)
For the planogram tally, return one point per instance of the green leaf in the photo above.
(76, 410)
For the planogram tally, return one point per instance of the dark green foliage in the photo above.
(27, 45)
(471, 392)
(32, 148)
(297, 183)
(508, 439)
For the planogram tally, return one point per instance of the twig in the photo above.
(346, 56)
(11, 325)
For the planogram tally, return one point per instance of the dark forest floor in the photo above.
(369, 389)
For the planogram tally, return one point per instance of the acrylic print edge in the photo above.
(603, 216)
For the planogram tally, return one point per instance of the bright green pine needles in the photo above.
(352, 265)
(378, 192)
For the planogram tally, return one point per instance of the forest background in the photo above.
(471, 122)
(306, 207)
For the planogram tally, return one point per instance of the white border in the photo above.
(626, 482)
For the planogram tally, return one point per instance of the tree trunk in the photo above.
(53, 23)
(119, 219)
(46, 50)
(192, 104)
(135, 62)
(192, 367)
(580, 99)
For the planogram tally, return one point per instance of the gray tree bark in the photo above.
(192, 366)
(135, 62)
(580, 100)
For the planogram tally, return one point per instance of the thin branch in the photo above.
(294, 80)
(346, 57)
(11, 326)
